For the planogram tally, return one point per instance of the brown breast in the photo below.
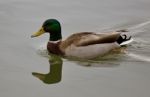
(54, 48)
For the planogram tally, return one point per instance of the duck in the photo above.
(85, 45)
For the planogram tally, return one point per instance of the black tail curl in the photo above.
(123, 38)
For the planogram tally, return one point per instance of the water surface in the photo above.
(117, 75)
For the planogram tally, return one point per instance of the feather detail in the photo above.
(89, 38)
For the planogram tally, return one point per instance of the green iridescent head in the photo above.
(51, 26)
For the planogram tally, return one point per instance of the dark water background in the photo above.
(117, 75)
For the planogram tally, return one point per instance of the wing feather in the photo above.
(90, 38)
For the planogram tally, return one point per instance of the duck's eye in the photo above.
(46, 29)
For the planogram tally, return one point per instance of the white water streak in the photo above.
(139, 57)
(135, 27)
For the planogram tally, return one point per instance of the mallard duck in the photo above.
(85, 45)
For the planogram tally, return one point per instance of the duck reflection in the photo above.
(55, 71)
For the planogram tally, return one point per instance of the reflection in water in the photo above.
(54, 75)
(55, 62)
(113, 59)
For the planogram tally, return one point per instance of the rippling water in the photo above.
(27, 71)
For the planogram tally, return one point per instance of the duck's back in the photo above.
(89, 38)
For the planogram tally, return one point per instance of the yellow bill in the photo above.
(40, 32)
